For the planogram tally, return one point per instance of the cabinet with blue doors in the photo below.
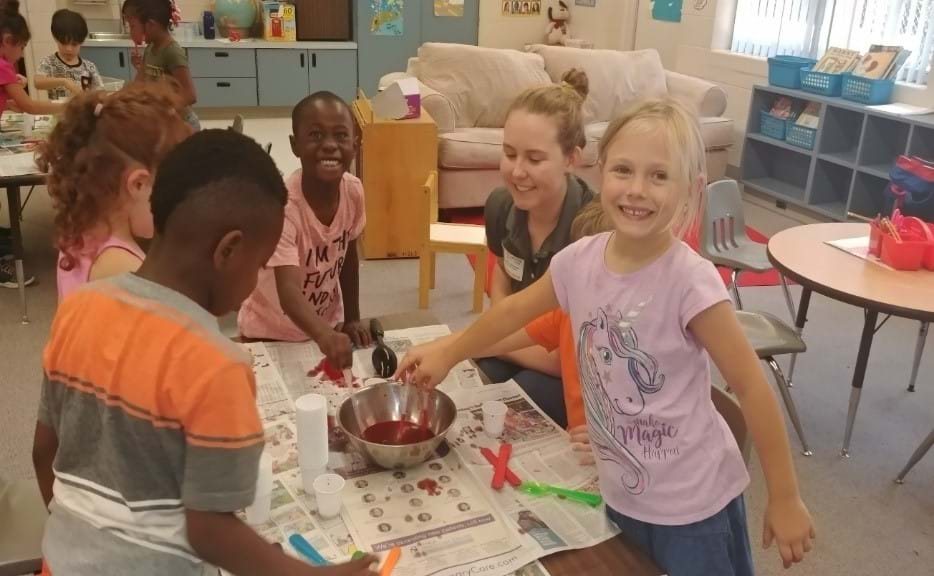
(287, 76)
(110, 62)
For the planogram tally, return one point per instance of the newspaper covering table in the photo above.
(442, 513)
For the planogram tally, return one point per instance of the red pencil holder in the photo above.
(919, 230)
(905, 255)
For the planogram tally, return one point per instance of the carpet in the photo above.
(770, 278)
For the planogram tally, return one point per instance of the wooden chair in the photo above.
(449, 238)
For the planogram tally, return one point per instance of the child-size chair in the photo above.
(450, 238)
(22, 521)
(729, 408)
(771, 337)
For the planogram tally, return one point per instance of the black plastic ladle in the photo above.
(384, 359)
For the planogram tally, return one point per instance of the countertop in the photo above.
(226, 44)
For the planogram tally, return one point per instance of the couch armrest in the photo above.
(436, 103)
(705, 98)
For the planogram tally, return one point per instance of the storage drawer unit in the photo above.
(223, 63)
(110, 62)
(226, 92)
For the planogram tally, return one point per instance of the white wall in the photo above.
(191, 9)
(686, 47)
(607, 25)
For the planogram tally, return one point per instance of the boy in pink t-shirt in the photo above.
(310, 286)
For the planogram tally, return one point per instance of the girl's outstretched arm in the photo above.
(787, 520)
(429, 367)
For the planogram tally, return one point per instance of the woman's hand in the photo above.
(789, 524)
(580, 445)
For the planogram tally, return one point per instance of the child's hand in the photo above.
(580, 445)
(72, 87)
(424, 365)
(359, 335)
(789, 523)
(337, 348)
(21, 80)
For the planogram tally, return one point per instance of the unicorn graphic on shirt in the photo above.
(602, 343)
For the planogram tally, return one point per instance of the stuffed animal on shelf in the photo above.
(557, 32)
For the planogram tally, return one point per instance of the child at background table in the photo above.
(649, 313)
(66, 73)
(101, 159)
(151, 21)
(148, 439)
(310, 287)
(14, 36)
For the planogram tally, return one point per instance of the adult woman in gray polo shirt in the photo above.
(529, 219)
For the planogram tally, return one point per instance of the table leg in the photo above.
(800, 320)
(859, 374)
(13, 201)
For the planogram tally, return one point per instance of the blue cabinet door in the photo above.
(110, 62)
(282, 76)
(225, 92)
(335, 71)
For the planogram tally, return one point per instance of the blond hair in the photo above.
(591, 220)
(563, 103)
(685, 145)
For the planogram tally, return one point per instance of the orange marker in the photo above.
(391, 560)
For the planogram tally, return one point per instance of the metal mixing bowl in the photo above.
(391, 401)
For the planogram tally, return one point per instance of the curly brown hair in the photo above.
(88, 152)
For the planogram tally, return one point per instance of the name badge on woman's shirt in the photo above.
(514, 266)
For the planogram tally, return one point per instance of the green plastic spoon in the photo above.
(539, 489)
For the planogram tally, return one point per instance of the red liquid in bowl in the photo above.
(397, 433)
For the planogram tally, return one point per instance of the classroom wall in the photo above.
(699, 46)
(609, 24)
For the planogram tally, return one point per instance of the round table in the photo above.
(802, 254)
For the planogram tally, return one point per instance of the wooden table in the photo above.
(801, 254)
(611, 558)
(14, 205)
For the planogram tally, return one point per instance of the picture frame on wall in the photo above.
(522, 7)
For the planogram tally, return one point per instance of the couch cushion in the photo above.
(616, 78)
(482, 148)
(717, 133)
(480, 83)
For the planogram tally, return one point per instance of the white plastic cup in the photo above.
(328, 488)
(258, 512)
(494, 418)
(309, 475)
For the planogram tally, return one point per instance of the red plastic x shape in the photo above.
(501, 471)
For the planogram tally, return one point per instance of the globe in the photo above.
(235, 15)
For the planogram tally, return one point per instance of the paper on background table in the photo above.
(902, 109)
(858, 247)
(540, 526)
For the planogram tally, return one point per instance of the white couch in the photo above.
(468, 89)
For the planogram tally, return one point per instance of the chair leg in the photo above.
(919, 350)
(788, 301)
(917, 456)
(479, 281)
(734, 284)
(424, 278)
(434, 262)
(789, 403)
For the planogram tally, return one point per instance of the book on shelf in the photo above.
(882, 62)
(837, 61)
(810, 116)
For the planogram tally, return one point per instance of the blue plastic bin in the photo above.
(800, 136)
(785, 71)
(821, 82)
(867, 90)
(771, 126)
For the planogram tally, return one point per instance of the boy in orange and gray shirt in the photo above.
(148, 437)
